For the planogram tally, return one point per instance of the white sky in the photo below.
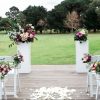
(23, 4)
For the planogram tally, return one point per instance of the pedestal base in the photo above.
(0, 90)
(25, 50)
(81, 49)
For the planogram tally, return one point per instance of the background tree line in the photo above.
(66, 16)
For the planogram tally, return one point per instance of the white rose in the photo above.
(24, 36)
(82, 31)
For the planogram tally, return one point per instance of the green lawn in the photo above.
(52, 49)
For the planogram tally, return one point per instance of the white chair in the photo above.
(91, 76)
(93, 59)
(14, 72)
(2, 90)
(98, 85)
(91, 82)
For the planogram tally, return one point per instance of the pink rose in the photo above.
(31, 36)
(79, 34)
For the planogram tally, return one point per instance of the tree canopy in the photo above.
(66, 16)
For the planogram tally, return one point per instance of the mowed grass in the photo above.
(52, 49)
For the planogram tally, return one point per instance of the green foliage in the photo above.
(91, 16)
(55, 21)
(21, 19)
(91, 21)
(88, 12)
(57, 16)
(5, 24)
(16, 18)
(12, 15)
(34, 14)
(17, 59)
(98, 67)
(76, 5)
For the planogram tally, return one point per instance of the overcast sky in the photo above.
(23, 4)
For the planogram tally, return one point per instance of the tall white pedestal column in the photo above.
(0, 90)
(25, 50)
(81, 49)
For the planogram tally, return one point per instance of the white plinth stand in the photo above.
(25, 50)
(0, 90)
(81, 49)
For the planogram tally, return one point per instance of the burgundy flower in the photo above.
(86, 58)
(79, 34)
(33, 33)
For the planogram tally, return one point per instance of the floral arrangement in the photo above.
(81, 35)
(86, 58)
(25, 35)
(95, 67)
(18, 58)
(4, 69)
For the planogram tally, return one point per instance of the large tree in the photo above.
(5, 24)
(21, 19)
(12, 15)
(56, 16)
(75, 8)
(91, 20)
(55, 20)
(67, 14)
(17, 17)
(34, 14)
(92, 16)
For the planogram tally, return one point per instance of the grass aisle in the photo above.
(52, 49)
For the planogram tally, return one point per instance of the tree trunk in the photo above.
(41, 31)
(94, 30)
